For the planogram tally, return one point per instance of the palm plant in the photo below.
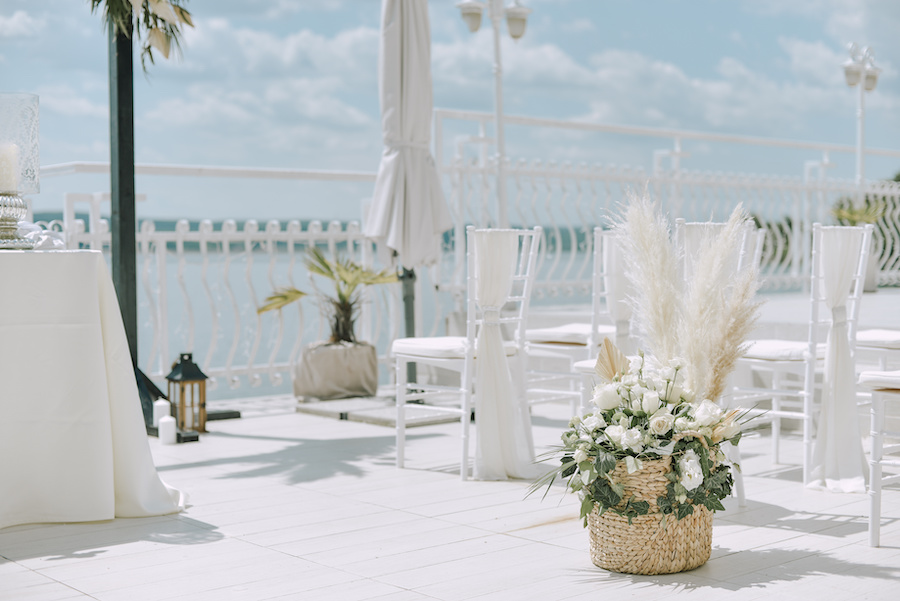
(348, 277)
(157, 24)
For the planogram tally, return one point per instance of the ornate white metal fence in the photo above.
(200, 283)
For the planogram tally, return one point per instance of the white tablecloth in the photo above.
(73, 446)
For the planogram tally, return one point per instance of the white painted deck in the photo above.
(294, 506)
(290, 506)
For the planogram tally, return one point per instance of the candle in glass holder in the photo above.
(9, 168)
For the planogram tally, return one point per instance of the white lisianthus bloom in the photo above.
(677, 363)
(673, 393)
(606, 397)
(629, 380)
(661, 422)
(668, 373)
(650, 402)
(580, 455)
(633, 438)
(592, 422)
(614, 434)
(691, 471)
(682, 424)
(635, 364)
(707, 413)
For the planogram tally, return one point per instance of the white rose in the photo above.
(661, 422)
(614, 434)
(707, 413)
(606, 397)
(579, 455)
(691, 471)
(592, 422)
(650, 402)
(633, 439)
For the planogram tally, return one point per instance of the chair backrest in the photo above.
(609, 290)
(691, 236)
(518, 249)
(841, 242)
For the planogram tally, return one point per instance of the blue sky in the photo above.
(293, 83)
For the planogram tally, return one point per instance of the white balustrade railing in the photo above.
(200, 284)
(568, 200)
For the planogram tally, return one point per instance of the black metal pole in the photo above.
(408, 277)
(122, 222)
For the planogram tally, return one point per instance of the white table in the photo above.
(73, 446)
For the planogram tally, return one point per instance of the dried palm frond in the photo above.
(611, 362)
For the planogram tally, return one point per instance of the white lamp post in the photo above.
(860, 70)
(516, 20)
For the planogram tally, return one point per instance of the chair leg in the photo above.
(466, 382)
(875, 469)
(776, 421)
(585, 394)
(400, 367)
(738, 476)
(807, 433)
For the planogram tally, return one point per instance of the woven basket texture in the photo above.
(645, 546)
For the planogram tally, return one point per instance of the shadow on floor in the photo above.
(306, 460)
(764, 567)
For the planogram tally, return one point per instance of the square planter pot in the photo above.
(336, 370)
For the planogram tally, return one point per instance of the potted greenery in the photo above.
(846, 213)
(341, 366)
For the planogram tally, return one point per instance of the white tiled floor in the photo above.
(293, 506)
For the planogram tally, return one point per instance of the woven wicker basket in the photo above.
(644, 546)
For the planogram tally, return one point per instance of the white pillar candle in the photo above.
(167, 429)
(9, 168)
(161, 408)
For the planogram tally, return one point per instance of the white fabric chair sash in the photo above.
(503, 441)
(838, 462)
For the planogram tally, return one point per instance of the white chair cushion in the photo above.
(776, 350)
(889, 339)
(880, 379)
(586, 366)
(439, 347)
(570, 333)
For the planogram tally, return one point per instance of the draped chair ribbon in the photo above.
(838, 463)
(503, 442)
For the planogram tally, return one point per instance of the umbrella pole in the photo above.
(408, 277)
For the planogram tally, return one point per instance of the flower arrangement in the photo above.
(643, 412)
(652, 446)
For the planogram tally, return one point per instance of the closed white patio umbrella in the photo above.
(408, 213)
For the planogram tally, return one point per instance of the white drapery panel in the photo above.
(838, 462)
(408, 212)
(503, 442)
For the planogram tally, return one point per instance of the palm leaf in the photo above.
(281, 298)
(611, 362)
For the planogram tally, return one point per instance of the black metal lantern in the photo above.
(187, 393)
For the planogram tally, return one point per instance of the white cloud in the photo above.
(20, 24)
(64, 100)
(815, 62)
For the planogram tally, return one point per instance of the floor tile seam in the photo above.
(53, 580)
